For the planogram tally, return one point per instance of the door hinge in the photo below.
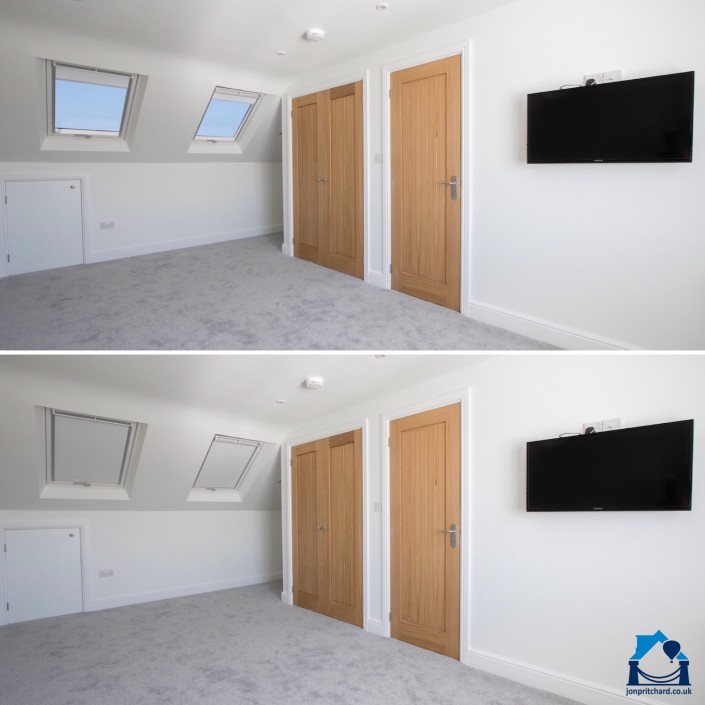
(390, 268)
(390, 94)
(4, 548)
(7, 606)
(5, 200)
(390, 616)
(389, 442)
(8, 258)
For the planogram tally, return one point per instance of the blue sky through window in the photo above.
(88, 106)
(223, 118)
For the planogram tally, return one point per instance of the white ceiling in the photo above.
(247, 386)
(249, 34)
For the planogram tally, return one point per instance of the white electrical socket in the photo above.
(106, 224)
(600, 426)
(605, 77)
(106, 573)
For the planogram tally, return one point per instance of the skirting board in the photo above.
(565, 686)
(551, 333)
(376, 627)
(168, 245)
(184, 591)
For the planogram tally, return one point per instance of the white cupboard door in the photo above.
(43, 573)
(44, 225)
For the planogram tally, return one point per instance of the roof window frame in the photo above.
(232, 94)
(57, 488)
(129, 107)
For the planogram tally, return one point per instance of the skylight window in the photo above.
(225, 471)
(227, 114)
(89, 102)
(85, 452)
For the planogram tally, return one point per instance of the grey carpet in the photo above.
(233, 647)
(239, 295)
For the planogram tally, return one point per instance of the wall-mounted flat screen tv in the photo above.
(642, 120)
(647, 468)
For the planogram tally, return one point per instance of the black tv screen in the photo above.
(642, 120)
(646, 468)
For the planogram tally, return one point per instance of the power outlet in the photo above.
(600, 426)
(107, 225)
(605, 77)
(106, 573)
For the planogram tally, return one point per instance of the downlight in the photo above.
(315, 34)
(314, 382)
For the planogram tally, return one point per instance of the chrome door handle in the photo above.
(453, 183)
(453, 531)
(322, 181)
(321, 528)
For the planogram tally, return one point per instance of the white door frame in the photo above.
(87, 243)
(461, 396)
(288, 159)
(464, 50)
(287, 545)
(4, 528)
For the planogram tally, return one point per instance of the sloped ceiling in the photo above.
(185, 400)
(187, 48)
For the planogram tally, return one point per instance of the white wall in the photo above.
(157, 207)
(158, 555)
(555, 600)
(585, 256)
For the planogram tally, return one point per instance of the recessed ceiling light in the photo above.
(380, 356)
(315, 34)
(281, 53)
(313, 382)
(382, 5)
(280, 401)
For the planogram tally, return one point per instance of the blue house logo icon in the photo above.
(644, 644)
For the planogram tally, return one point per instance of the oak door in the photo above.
(425, 529)
(328, 178)
(425, 169)
(327, 526)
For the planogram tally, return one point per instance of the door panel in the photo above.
(327, 476)
(306, 175)
(343, 478)
(43, 573)
(44, 225)
(305, 524)
(425, 503)
(345, 250)
(426, 151)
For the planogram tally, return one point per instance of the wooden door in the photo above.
(425, 506)
(306, 476)
(44, 225)
(328, 178)
(327, 526)
(426, 157)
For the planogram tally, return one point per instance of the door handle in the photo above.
(453, 183)
(321, 528)
(322, 181)
(453, 534)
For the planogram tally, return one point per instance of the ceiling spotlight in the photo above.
(315, 34)
(313, 383)
(382, 5)
(280, 401)
(281, 53)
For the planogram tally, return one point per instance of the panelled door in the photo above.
(327, 174)
(425, 170)
(425, 529)
(44, 225)
(43, 573)
(327, 526)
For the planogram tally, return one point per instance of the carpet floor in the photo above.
(235, 647)
(238, 295)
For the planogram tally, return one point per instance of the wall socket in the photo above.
(106, 573)
(600, 426)
(107, 225)
(605, 77)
